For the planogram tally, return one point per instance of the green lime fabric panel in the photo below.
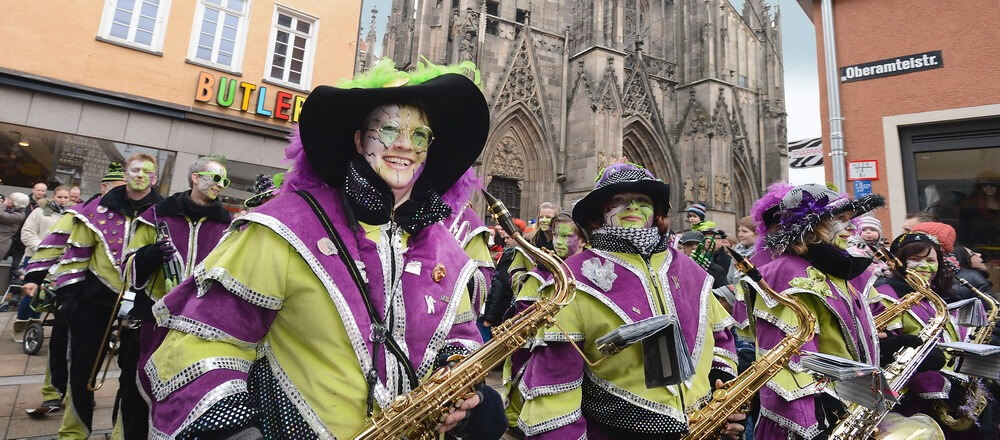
(718, 317)
(521, 262)
(238, 257)
(478, 250)
(181, 350)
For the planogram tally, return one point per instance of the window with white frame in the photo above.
(138, 23)
(291, 51)
(219, 33)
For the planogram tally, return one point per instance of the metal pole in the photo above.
(837, 153)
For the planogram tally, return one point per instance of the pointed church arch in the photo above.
(517, 151)
(744, 189)
(642, 147)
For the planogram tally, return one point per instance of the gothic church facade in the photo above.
(691, 89)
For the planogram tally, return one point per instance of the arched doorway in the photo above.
(518, 155)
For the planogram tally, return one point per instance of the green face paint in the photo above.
(637, 214)
(139, 175)
(925, 269)
(565, 241)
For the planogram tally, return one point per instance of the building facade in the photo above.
(86, 84)
(921, 110)
(691, 89)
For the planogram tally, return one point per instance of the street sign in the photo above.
(862, 188)
(892, 66)
(862, 170)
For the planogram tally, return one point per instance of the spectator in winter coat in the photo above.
(38, 223)
(11, 218)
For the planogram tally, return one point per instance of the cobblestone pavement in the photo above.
(21, 379)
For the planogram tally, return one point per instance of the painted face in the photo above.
(926, 266)
(212, 181)
(395, 142)
(565, 240)
(630, 210)
(841, 230)
(545, 218)
(746, 237)
(140, 174)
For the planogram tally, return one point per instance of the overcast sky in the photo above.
(798, 42)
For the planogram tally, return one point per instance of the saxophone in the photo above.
(703, 253)
(974, 397)
(416, 414)
(861, 422)
(897, 309)
(706, 422)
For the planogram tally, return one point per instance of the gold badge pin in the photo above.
(438, 273)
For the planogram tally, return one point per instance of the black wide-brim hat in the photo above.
(455, 107)
(590, 208)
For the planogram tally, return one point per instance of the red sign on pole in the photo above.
(862, 170)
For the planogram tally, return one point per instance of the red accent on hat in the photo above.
(943, 232)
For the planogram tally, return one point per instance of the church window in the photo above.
(507, 191)
(522, 16)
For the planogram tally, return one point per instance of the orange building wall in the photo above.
(869, 30)
(56, 39)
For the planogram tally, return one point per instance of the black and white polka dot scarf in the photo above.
(642, 241)
(371, 200)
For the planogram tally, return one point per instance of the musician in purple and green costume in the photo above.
(343, 292)
(808, 227)
(195, 220)
(923, 254)
(87, 270)
(628, 274)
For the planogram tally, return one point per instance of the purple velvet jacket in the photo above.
(218, 308)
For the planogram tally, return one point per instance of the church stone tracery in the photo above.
(691, 89)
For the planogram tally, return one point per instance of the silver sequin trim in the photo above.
(548, 425)
(469, 344)
(465, 317)
(943, 394)
(641, 402)
(548, 390)
(444, 327)
(350, 325)
(560, 337)
(221, 275)
(196, 328)
(726, 323)
(293, 394)
(218, 393)
(808, 433)
(162, 389)
(725, 354)
(790, 395)
(725, 369)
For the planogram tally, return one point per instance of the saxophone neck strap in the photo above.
(380, 333)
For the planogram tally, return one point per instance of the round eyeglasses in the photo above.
(217, 179)
(420, 137)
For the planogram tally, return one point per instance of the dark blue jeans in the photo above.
(24, 309)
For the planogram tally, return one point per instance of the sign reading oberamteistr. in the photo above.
(892, 66)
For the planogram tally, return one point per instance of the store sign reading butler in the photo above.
(232, 93)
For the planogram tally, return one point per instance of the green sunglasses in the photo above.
(420, 137)
(217, 179)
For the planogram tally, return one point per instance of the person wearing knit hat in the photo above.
(623, 277)
(870, 229)
(696, 216)
(944, 233)
(113, 179)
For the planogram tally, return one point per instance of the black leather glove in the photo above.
(159, 252)
(487, 420)
(934, 361)
(889, 346)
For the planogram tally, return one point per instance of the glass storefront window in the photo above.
(956, 171)
(30, 155)
(243, 176)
